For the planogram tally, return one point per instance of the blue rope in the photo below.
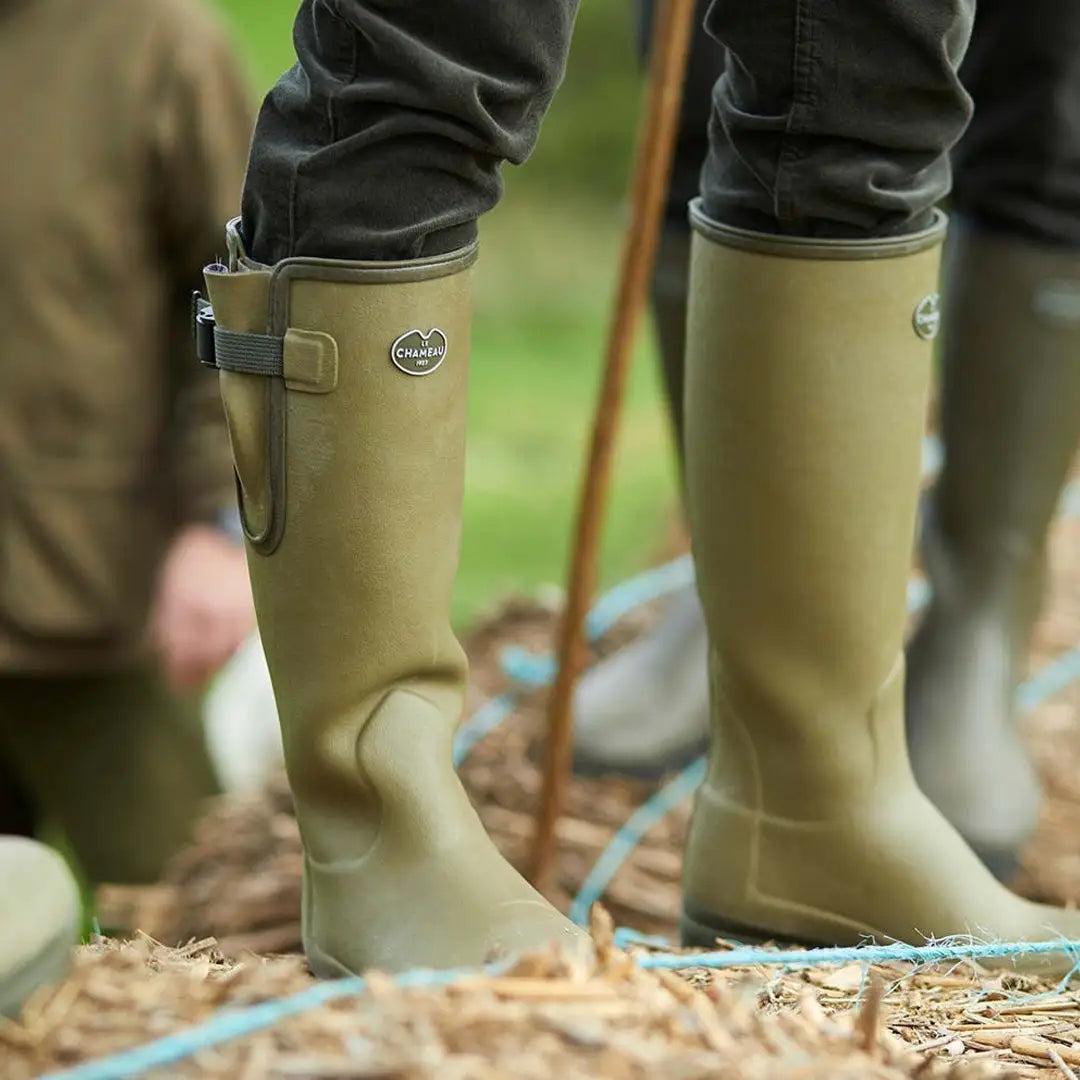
(626, 839)
(486, 719)
(230, 1024)
(532, 670)
(1050, 680)
(626, 936)
(933, 952)
(637, 591)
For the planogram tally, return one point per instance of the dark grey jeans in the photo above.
(386, 139)
(1016, 169)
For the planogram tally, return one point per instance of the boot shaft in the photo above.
(350, 462)
(352, 479)
(807, 379)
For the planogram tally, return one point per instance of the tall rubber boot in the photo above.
(644, 710)
(345, 389)
(1010, 424)
(40, 912)
(808, 367)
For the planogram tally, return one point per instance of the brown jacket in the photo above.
(124, 132)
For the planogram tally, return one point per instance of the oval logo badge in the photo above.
(927, 317)
(417, 353)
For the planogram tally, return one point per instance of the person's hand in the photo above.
(203, 609)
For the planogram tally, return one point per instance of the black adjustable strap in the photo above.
(234, 350)
(250, 354)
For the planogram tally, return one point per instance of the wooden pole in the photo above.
(672, 26)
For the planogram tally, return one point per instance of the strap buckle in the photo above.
(203, 325)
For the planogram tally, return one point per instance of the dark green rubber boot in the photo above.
(808, 368)
(345, 389)
(1010, 422)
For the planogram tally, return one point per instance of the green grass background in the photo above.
(543, 292)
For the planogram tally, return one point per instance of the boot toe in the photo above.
(459, 910)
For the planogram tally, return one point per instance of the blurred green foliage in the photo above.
(543, 291)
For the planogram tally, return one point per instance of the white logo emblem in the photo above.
(417, 353)
(927, 317)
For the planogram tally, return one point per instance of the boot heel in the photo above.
(693, 933)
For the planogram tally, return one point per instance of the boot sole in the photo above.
(697, 934)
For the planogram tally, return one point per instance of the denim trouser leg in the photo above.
(386, 139)
(835, 117)
(1017, 169)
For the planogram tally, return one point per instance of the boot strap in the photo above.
(235, 350)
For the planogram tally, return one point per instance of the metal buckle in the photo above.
(202, 324)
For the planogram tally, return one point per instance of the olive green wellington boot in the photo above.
(40, 913)
(808, 367)
(345, 389)
(1010, 423)
(645, 710)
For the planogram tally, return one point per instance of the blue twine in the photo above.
(229, 1024)
(485, 720)
(933, 952)
(626, 839)
(533, 670)
(1050, 680)
(625, 936)
(529, 669)
(539, 669)
(638, 590)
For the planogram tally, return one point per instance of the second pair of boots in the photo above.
(1010, 424)
(809, 366)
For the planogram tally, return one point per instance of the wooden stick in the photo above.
(652, 167)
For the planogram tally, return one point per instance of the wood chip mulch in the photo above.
(550, 1016)
(233, 895)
